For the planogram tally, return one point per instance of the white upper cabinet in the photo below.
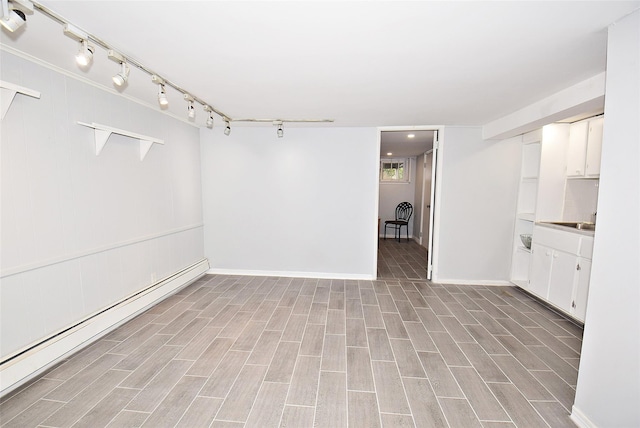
(577, 149)
(594, 147)
(585, 145)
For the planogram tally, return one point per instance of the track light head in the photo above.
(280, 131)
(85, 53)
(162, 96)
(227, 129)
(13, 20)
(191, 111)
(12, 17)
(209, 110)
(121, 78)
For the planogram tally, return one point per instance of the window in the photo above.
(394, 170)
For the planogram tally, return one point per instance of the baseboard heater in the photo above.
(24, 365)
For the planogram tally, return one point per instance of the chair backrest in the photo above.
(404, 211)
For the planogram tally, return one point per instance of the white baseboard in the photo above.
(25, 367)
(581, 419)
(291, 274)
(499, 283)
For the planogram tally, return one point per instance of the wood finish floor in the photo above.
(401, 260)
(266, 352)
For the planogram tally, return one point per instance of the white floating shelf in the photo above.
(10, 90)
(103, 132)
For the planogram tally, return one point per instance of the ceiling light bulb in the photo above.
(280, 131)
(191, 111)
(162, 96)
(13, 20)
(227, 130)
(85, 54)
(210, 120)
(121, 78)
(389, 154)
(411, 136)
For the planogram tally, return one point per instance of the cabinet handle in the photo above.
(573, 304)
(578, 267)
(555, 255)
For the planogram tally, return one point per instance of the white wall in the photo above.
(608, 390)
(391, 194)
(80, 231)
(304, 204)
(476, 195)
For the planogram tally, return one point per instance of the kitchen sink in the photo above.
(583, 225)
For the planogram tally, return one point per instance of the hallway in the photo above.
(401, 260)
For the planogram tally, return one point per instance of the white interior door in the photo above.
(426, 198)
(431, 210)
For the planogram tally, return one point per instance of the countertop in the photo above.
(585, 232)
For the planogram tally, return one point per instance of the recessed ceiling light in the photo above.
(411, 135)
(389, 154)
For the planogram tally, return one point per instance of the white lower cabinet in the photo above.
(540, 270)
(579, 304)
(562, 281)
(560, 269)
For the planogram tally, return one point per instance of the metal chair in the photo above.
(403, 214)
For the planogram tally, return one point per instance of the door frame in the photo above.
(434, 244)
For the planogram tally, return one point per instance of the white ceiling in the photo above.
(399, 144)
(361, 63)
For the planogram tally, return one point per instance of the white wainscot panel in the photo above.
(16, 324)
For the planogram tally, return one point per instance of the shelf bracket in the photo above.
(103, 132)
(8, 94)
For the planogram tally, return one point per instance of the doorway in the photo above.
(414, 150)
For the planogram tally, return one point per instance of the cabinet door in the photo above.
(540, 270)
(594, 147)
(579, 304)
(562, 279)
(576, 159)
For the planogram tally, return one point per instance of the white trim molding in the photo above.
(489, 283)
(290, 274)
(581, 419)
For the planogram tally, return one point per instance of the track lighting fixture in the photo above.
(280, 131)
(85, 53)
(162, 94)
(227, 129)
(210, 118)
(13, 18)
(191, 111)
(121, 77)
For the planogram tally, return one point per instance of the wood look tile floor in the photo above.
(401, 260)
(232, 351)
